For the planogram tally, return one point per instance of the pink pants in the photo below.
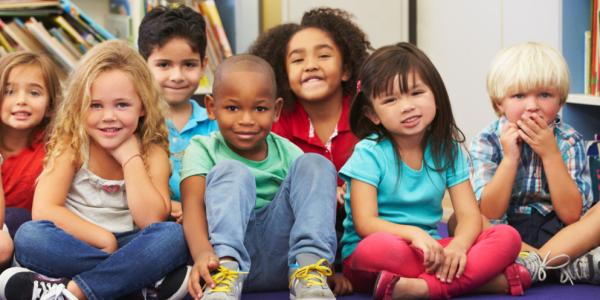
(494, 250)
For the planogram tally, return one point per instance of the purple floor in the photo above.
(544, 291)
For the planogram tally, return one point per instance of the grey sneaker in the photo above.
(171, 287)
(585, 269)
(309, 280)
(228, 283)
(21, 283)
(537, 266)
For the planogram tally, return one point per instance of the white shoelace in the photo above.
(58, 292)
(541, 274)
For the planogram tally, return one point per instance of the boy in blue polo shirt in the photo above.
(173, 42)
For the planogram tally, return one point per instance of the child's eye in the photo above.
(95, 106)
(123, 105)
(191, 65)
(262, 108)
(417, 92)
(388, 100)
(35, 93)
(231, 108)
(297, 60)
(324, 56)
(162, 65)
(518, 96)
(545, 95)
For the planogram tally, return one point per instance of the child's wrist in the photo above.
(130, 159)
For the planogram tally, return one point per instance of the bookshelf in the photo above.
(581, 111)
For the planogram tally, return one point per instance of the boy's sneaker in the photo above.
(384, 285)
(585, 269)
(537, 266)
(171, 287)
(21, 283)
(309, 280)
(228, 282)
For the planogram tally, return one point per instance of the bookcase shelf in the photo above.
(584, 100)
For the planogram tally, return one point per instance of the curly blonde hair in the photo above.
(68, 130)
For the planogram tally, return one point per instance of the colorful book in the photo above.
(209, 9)
(77, 14)
(56, 49)
(5, 43)
(68, 28)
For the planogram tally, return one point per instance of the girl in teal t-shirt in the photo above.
(410, 154)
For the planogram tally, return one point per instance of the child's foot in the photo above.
(518, 278)
(21, 283)
(228, 283)
(384, 285)
(537, 266)
(584, 269)
(309, 280)
(173, 286)
(391, 286)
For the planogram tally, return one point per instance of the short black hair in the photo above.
(244, 62)
(162, 24)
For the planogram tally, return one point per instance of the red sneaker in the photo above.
(518, 279)
(384, 285)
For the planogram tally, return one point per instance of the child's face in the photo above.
(26, 99)
(405, 115)
(177, 69)
(523, 104)
(314, 66)
(115, 109)
(245, 108)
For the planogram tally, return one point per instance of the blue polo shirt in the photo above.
(198, 124)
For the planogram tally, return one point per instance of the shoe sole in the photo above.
(183, 289)
(6, 275)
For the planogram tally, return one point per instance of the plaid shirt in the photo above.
(530, 189)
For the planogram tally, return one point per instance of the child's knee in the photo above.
(311, 162)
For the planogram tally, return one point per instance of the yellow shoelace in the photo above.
(224, 279)
(312, 279)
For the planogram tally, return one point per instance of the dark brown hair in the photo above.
(377, 76)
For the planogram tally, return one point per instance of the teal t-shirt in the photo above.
(204, 152)
(404, 195)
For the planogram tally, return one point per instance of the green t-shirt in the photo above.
(204, 152)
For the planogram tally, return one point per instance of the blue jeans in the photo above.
(266, 241)
(143, 257)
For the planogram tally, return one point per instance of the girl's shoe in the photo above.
(384, 285)
(518, 278)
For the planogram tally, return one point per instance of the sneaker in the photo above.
(172, 287)
(384, 285)
(58, 292)
(585, 269)
(537, 266)
(228, 282)
(21, 283)
(309, 281)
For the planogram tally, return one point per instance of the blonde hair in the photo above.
(525, 67)
(49, 75)
(68, 130)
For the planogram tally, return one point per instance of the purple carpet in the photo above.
(543, 291)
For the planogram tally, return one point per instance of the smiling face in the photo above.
(115, 110)
(314, 66)
(25, 101)
(405, 114)
(245, 108)
(177, 69)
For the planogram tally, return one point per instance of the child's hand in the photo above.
(534, 130)
(339, 284)
(204, 263)
(511, 142)
(433, 252)
(455, 261)
(176, 211)
(341, 193)
(129, 148)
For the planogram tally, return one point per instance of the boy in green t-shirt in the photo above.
(252, 197)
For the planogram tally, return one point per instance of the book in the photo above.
(27, 4)
(55, 48)
(60, 35)
(66, 26)
(5, 43)
(79, 16)
(209, 9)
(22, 37)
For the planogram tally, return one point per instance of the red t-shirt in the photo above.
(296, 127)
(19, 173)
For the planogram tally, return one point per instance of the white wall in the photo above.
(384, 21)
(462, 36)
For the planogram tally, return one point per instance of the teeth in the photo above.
(110, 129)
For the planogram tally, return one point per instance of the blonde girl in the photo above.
(101, 201)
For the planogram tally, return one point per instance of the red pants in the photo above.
(494, 250)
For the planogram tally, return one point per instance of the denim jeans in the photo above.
(266, 241)
(143, 257)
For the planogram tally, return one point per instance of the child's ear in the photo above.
(277, 109)
(209, 104)
(204, 63)
(371, 115)
(345, 74)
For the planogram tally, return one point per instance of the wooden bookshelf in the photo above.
(584, 100)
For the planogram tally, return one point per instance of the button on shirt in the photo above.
(198, 124)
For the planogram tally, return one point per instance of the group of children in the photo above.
(145, 194)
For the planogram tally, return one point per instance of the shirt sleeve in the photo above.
(575, 159)
(364, 165)
(460, 172)
(196, 159)
(484, 161)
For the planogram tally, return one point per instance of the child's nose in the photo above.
(532, 104)
(176, 74)
(109, 115)
(247, 118)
